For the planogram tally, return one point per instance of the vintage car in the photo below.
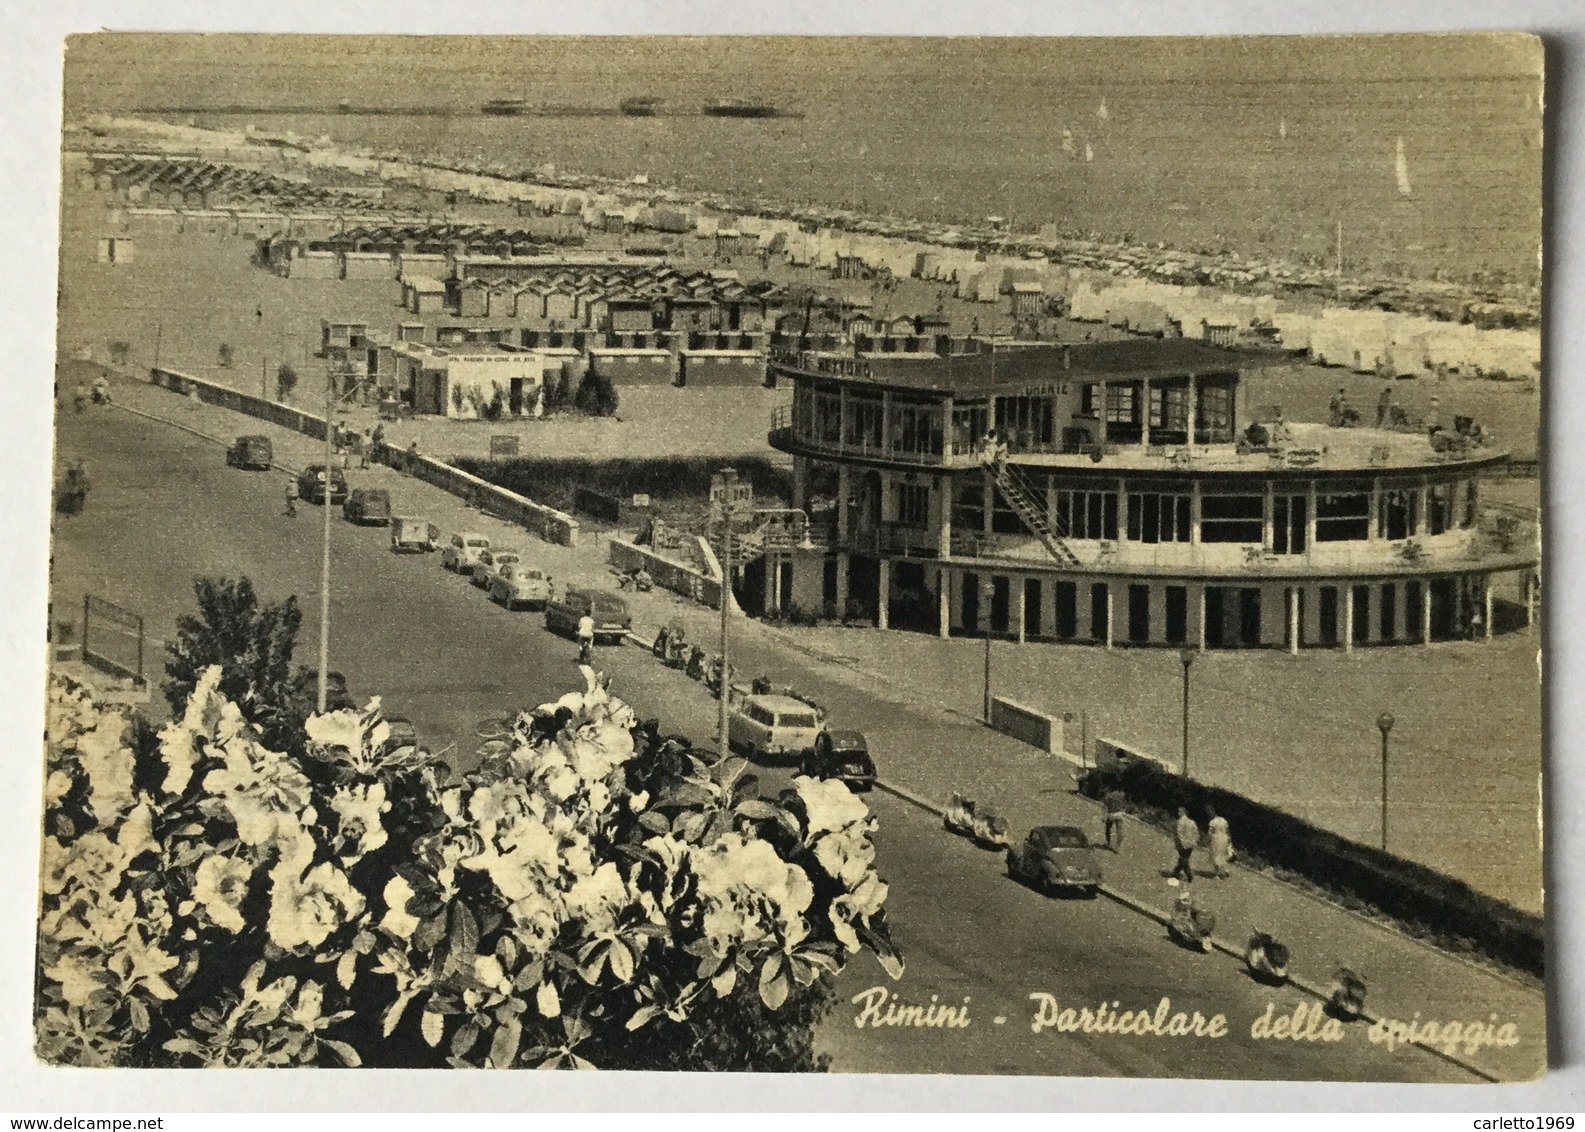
(515, 584)
(611, 617)
(370, 505)
(1056, 857)
(413, 533)
(773, 725)
(844, 755)
(254, 452)
(311, 484)
(490, 562)
(462, 553)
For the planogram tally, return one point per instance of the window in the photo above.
(1024, 421)
(828, 416)
(1154, 517)
(970, 423)
(916, 429)
(1169, 408)
(1177, 615)
(1471, 504)
(913, 504)
(1439, 508)
(1343, 517)
(863, 422)
(1399, 515)
(1087, 514)
(968, 504)
(1122, 404)
(1215, 414)
(1232, 518)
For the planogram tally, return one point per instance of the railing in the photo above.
(783, 433)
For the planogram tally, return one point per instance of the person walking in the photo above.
(291, 496)
(1384, 407)
(1220, 842)
(1116, 803)
(412, 454)
(585, 639)
(364, 443)
(1186, 836)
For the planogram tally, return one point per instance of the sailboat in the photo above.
(1102, 113)
(1282, 129)
(1069, 147)
(1401, 167)
(1089, 152)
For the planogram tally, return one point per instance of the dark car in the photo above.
(251, 452)
(844, 755)
(1057, 857)
(611, 617)
(311, 484)
(368, 505)
(402, 733)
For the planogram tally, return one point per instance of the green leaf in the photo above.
(503, 1049)
(758, 809)
(725, 981)
(621, 960)
(463, 1041)
(433, 1027)
(642, 1016)
(547, 1000)
(347, 969)
(393, 1016)
(429, 932)
(140, 1015)
(773, 991)
(463, 936)
(348, 1055)
(655, 822)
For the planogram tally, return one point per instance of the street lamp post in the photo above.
(1186, 657)
(324, 562)
(1384, 721)
(726, 482)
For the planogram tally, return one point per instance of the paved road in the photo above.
(165, 509)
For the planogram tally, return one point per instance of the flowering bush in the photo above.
(591, 895)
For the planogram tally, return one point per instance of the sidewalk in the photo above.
(928, 749)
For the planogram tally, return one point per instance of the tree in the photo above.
(596, 395)
(285, 381)
(252, 642)
(120, 352)
(558, 393)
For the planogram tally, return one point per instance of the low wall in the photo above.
(1417, 896)
(674, 576)
(1026, 724)
(544, 522)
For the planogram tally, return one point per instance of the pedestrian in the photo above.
(1433, 419)
(1219, 841)
(291, 496)
(366, 443)
(1116, 803)
(412, 453)
(1384, 407)
(585, 639)
(1186, 835)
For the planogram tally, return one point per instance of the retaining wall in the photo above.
(544, 522)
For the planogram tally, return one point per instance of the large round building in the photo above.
(1055, 492)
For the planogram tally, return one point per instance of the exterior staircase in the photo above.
(1030, 503)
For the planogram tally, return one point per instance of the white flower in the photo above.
(108, 764)
(396, 920)
(219, 887)
(179, 739)
(829, 803)
(359, 808)
(305, 908)
(847, 856)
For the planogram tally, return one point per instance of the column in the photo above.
(943, 603)
(1019, 598)
(1293, 620)
(1458, 606)
(1194, 513)
(1425, 610)
(883, 596)
(1194, 410)
(1348, 618)
(886, 421)
(1400, 611)
(946, 430)
(1422, 495)
(842, 583)
(1051, 508)
(773, 584)
(1485, 585)
(844, 489)
(1309, 519)
(1267, 511)
(1122, 512)
(1374, 518)
(944, 518)
(988, 495)
(1111, 618)
(1199, 616)
(1100, 411)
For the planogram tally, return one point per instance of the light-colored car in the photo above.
(490, 562)
(773, 725)
(461, 554)
(515, 584)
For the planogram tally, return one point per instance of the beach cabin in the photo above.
(1028, 298)
(720, 367)
(424, 295)
(501, 299)
(1218, 333)
(629, 366)
(728, 242)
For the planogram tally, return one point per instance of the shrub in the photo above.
(120, 352)
(593, 895)
(225, 355)
(285, 381)
(596, 395)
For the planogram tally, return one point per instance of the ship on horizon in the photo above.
(641, 106)
(741, 108)
(504, 107)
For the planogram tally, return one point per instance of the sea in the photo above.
(1261, 147)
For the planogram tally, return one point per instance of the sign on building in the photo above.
(640, 499)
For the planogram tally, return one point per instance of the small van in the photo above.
(773, 725)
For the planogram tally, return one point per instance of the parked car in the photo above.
(1057, 857)
(844, 755)
(490, 562)
(515, 584)
(462, 553)
(368, 505)
(611, 618)
(773, 725)
(311, 484)
(413, 533)
(251, 452)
